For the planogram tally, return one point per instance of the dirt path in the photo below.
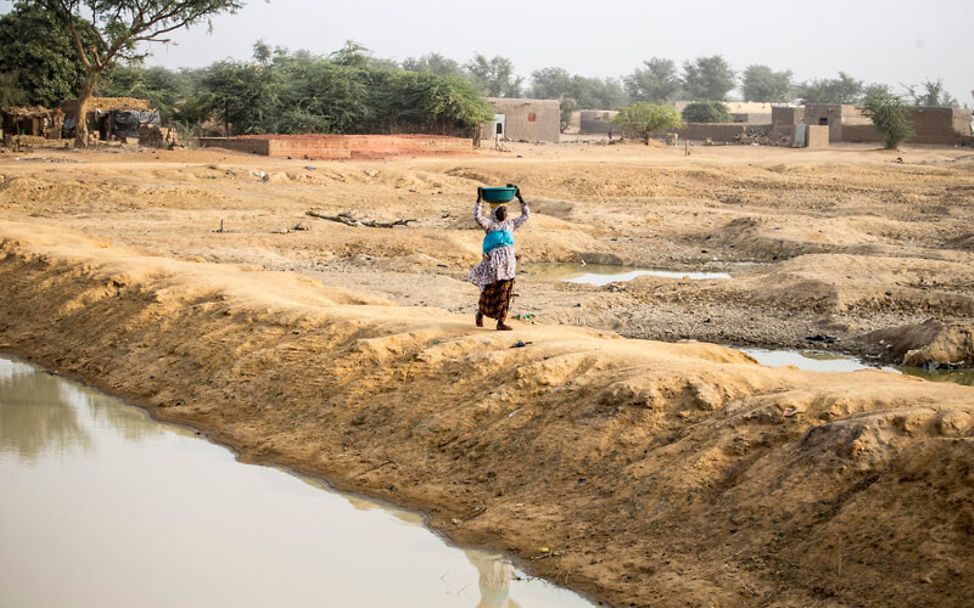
(641, 472)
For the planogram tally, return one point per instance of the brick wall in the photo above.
(934, 126)
(786, 116)
(861, 134)
(720, 132)
(851, 115)
(938, 126)
(250, 146)
(311, 148)
(339, 147)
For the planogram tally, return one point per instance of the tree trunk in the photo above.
(81, 119)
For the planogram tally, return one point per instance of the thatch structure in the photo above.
(110, 118)
(35, 121)
(105, 104)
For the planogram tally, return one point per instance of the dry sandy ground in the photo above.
(843, 242)
(654, 473)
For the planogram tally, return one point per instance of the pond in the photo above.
(102, 506)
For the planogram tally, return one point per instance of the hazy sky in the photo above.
(891, 41)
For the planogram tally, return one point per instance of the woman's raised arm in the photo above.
(478, 217)
(525, 210)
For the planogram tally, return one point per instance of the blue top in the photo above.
(498, 238)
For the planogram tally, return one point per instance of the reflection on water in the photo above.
(603, 274)
(957, 376)
(35, 417)
(103, 506)
(495, 580)
(39, 414)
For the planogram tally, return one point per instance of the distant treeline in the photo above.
(350, 91)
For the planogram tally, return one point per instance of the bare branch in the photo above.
(79, 46)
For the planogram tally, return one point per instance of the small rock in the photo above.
(301, 226)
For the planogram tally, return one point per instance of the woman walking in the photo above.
(495, 272)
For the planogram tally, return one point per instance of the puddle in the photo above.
(816, 361)
(957, 376)
(819, 361)
(603, 274)
(103, 506)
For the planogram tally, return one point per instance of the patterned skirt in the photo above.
(495, 299)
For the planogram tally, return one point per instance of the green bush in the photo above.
(891, 115)
(642, 118)
(706, 111)
(285, 92)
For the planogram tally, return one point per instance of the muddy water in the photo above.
(101, 506)
(957, 376)
(602, 274)
(830, 362)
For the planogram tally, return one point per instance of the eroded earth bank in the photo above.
(641, 472)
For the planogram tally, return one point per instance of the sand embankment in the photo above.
(642, 472)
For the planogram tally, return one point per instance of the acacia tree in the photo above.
(933, 93)
(585, 92)
(494, 76)
(657, 81)
(761, 83)
(432, 62)
(119, 27)
(643, 117)
(890, 114)
(708, 78)
(844, 89)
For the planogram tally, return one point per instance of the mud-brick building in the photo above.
(519, 119)
(934, 126)
(947, 126)
(787, 116)
(836, 116)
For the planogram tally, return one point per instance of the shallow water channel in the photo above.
(603, 274)
(102, 506)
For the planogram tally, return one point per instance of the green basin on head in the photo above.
(499, 194)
